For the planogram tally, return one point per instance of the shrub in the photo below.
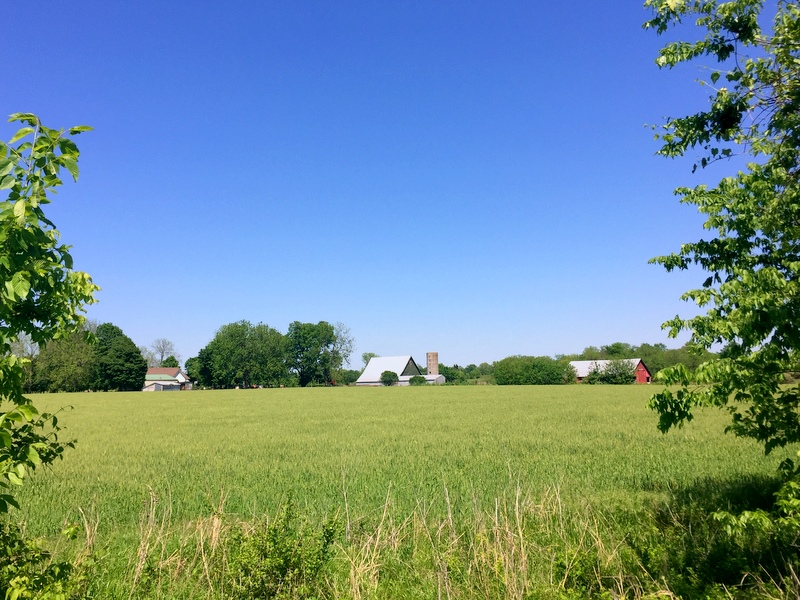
(389, 378)
(616, 372)
(530, 370)
(279, 559)
(418, 380)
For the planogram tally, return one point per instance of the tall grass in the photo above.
(440, 491)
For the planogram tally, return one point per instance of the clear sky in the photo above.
(473, 178)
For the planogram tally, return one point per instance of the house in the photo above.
(404, 366)
(166, 379)
(584, 367)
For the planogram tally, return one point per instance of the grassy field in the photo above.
(446, 455)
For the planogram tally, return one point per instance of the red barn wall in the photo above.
(642, 374)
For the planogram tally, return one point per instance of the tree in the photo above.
(241, 354)
(532, 370)
(65, 364)
(310, 351)
(193, 368)
(752, 292)
(417, 380)
(25, 348)
(171, 362)
(389, 378)
(42, 297)
(118, 364)
(149, 356)
(367, 356)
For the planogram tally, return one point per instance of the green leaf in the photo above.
(28, 411)
(14, 478)
(6, 166)
(72, 166)
(7, 182)
(79, 129)
(5, 438)
(6, 499)
(19, 211)
(33, 456)
(21, 134)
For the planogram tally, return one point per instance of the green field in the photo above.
(455, 456)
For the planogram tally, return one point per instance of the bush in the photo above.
(418, 380)
(279, 559)
(389, 378)
(531, 370)
(616, 372)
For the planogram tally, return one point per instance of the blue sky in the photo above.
(472, 178)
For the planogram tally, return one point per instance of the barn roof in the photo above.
(584, 367)
(402, 365)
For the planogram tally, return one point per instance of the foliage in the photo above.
(367, 356)
(42, 297)
(347, 376)
(241, 354)
(389, 378)
(27, 570)
(118, 364)
(65, 365)
(752, 292)
(615, 372)
(170, 362)
(279, 558)
(655, 356)
(417, 380)
(532, 370)
(312, 351)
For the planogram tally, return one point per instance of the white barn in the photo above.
(404, 366)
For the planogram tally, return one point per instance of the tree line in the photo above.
(245, 355)
(546, 370)
(96, 357)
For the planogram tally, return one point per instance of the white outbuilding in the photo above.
(404, 366)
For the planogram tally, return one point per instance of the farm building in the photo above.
(166, 379)
(404, 366)
(584, 367)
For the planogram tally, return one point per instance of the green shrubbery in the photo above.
(389, 378)
(615, 372)
(532, 370)
(279, 558)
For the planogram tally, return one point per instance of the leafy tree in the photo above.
(366, 356)
(751, 295)
(531, 370)
(118, 364)
(242, 354)
(752, 292)
(65, 364)
(171, 362)
(389, 378)
(347, 376)
(42, 298)
(311, 351)
(193, 368)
